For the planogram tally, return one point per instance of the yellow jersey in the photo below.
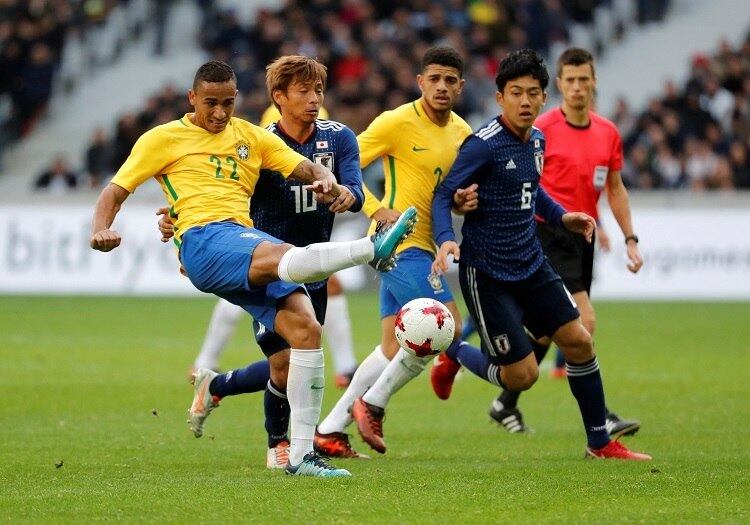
(417, 155)
(272, 114)
(206, 177)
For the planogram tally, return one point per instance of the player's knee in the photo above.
(279, 374)
(522, 379)
(306, 333)
(577, 347)
(589, 321)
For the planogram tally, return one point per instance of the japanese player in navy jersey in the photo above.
(506, 280)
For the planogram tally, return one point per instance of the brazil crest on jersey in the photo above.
(499, 238)
(283, 208)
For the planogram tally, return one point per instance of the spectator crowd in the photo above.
(694, 136)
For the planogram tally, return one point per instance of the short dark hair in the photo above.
(522, 63)
(575, 56)
(214, 71)
(443, 56)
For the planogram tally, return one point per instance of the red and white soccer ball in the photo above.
(424, 327)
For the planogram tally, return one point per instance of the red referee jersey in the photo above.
(577, 160)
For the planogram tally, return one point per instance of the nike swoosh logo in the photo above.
(415, 148)
(316, 387)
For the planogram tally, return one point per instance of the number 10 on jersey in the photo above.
(304, 200)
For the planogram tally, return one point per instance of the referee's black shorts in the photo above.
(571, 256)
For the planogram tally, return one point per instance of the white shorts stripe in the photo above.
(481, 327)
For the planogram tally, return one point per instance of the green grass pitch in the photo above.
(94, 399)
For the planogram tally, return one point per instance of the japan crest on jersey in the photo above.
(324, 159)
(539, 161)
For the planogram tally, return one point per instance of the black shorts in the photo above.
(271, 343)
(501, 310)
(570, 255)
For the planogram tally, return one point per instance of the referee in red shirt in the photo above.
(583, 157)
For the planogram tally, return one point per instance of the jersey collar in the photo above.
(504, 124)
(574, 126)
(288, 138)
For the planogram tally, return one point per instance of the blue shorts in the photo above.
(216, 258)
(412, 278)
(501, 310)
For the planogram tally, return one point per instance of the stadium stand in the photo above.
(43, 42)
(696, 135)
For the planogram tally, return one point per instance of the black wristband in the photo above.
(633, 237)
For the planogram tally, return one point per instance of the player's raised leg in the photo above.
(318, 261)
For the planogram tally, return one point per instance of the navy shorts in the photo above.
(270, 342)
(412, 278)
(216, 258)
(570, 255)
(501, 310)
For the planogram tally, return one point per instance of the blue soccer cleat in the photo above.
(315, 466)
(388, 237)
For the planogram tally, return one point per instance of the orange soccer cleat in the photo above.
(615, 450)
(442, 375)
(369, 419)
(335, 445)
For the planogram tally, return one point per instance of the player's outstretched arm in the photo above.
(107, 206)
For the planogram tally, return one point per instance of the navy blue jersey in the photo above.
(499, 238)
(284, 209)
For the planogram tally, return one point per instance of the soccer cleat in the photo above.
(558, 372)
(369, 419)
(443, 374)
(314, 465)
(388, 237)
(343, 380)
(203, 401)
(278, 456)
(615, 450)
(335, 445)
(509, 418)
(617, 427)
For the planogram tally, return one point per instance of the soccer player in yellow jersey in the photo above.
(208, 163)
(417, 143)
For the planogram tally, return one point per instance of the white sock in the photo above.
(338, 330)
(367, 373)
(317, 261)
(304, 389)
(402, 369)
(224, 319)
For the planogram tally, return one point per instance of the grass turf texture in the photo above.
(95, 398)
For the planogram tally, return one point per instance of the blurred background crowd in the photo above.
(696, 135)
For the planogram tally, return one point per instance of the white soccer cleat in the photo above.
(278, 456)
(203, 401)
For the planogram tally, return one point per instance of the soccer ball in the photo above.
(424, 327)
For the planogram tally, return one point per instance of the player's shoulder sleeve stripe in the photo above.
(329, 124)
(490, 130)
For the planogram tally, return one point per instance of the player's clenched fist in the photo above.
(105, 240)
